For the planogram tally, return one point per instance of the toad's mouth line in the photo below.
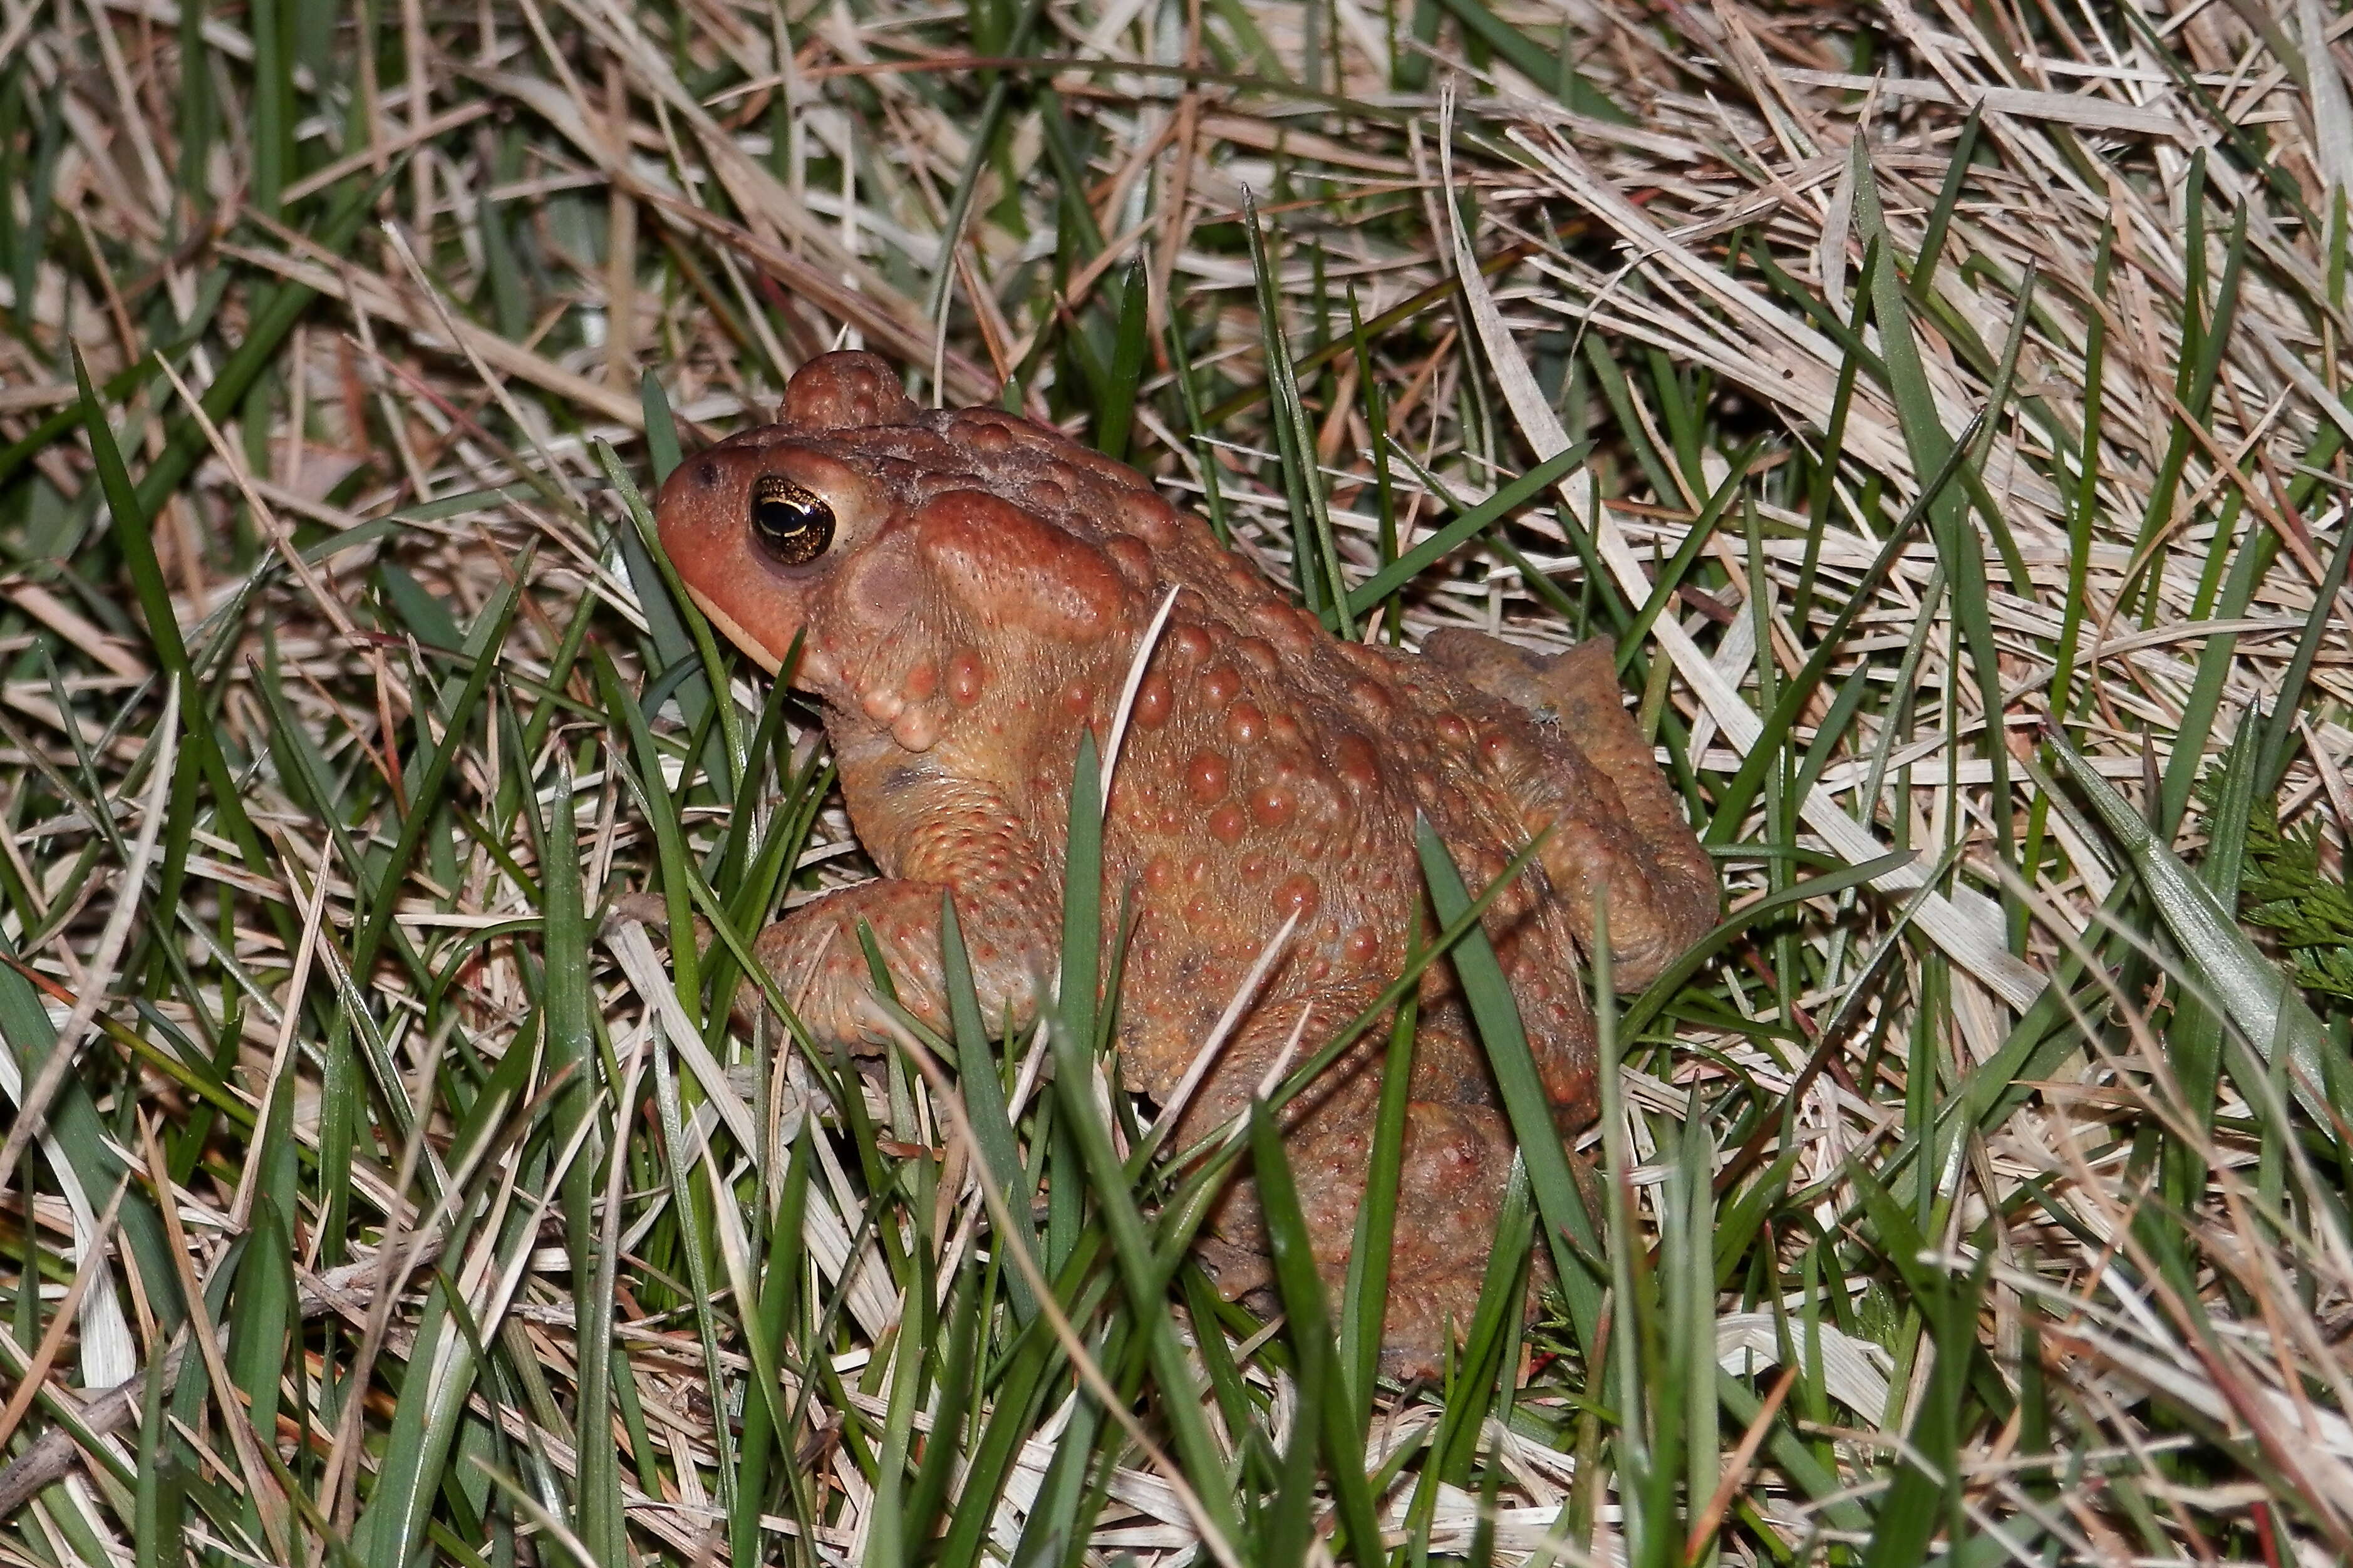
(760, 652)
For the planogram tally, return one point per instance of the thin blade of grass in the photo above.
(1325, 1413)
(1365, 1297)
(2268, 1010)
(1414, 562)
(1118, 411)
(986, 1108)
(1072, 1031)
(1567, 1226)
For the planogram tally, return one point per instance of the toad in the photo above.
(973, 590)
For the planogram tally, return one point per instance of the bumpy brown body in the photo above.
(974, 590)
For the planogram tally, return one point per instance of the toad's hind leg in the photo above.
(1451, 1181)
(1617, 830)
(1456, 1157)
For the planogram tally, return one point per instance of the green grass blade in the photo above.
(1364, 1300)
(572, 1056)
(1670, 575)
(157, 1516)
(962, 1340)
(1376, 425)
(134, 535)
(1957, 546)
(764, 1425)
(1500, 504)
(1949, 200)
(88, 1146)
(259, 1309)
(1732, 804)
(1078, 997)
(678, 637)
(1072, 1031)
(985, 141)
(1325, 1411)
(1020, 1393)
(483, 648)
(2288, 702)
(1455, 1439)
(1532, 60)
(263, 336)
(2246, 562)
(1611, 378)
(1315, 560)
(1687, 1275)
(2083, 513)
(2268, 1010)
(1118, 411)
(443, 1357)
(987, 1111)
(1926, 1493)
(1566, 1224)
(661, 429)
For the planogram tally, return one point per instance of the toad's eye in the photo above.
(792, 522)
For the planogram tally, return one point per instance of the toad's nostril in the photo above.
(707, 474)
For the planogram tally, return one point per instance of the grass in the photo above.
(1947, 420)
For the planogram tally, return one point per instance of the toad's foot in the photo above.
(819, 964)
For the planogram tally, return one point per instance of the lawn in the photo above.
(1943, 411)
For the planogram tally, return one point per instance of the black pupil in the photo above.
(784, 515)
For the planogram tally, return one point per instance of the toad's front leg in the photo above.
(932, 832)
(820, 966)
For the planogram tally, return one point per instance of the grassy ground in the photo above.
(1940, 407)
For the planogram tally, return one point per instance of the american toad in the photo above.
(973, 589)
